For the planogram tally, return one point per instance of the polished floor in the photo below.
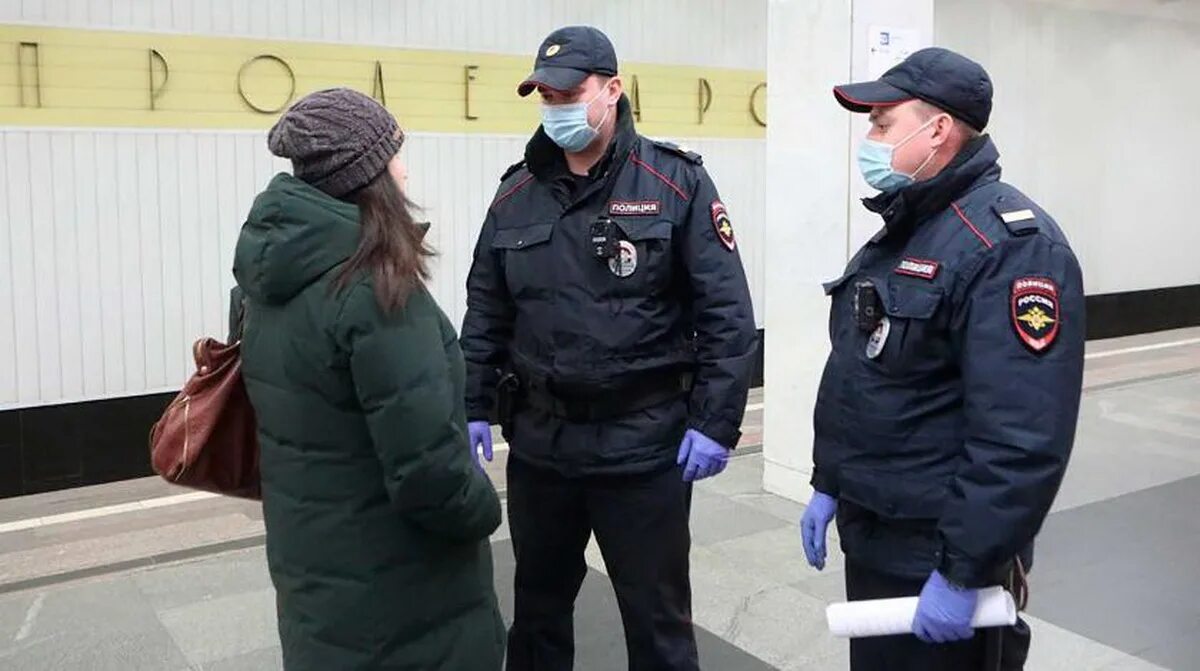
(115, 578)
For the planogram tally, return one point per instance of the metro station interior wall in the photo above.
(1095, 117)
(116, 245)
(720, 33)
(119, 244)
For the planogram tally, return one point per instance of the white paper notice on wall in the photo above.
(887, 46)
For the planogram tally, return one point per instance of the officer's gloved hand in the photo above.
(814, 525)
(944, 611)
(704, 456)
(478, 433)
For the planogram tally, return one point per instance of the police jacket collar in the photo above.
(546, 160)
(903, 210)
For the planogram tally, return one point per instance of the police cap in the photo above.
(567, 56)
(942, 78)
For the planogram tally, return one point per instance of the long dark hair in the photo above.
(391, 246)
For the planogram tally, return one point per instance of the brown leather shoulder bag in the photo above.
(207, 438)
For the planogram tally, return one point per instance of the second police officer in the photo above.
(947, 410)
(609, 325)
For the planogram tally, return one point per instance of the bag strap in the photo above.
(238, 303)
(241, 327)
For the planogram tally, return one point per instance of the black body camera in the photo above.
(605, 243)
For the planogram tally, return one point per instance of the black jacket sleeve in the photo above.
(487, 325)
(825, 449)
(1021, 404)
(726, 335)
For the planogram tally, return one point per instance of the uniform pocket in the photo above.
(912, 302)
(913, 338)
(645, 262)
(641, 231)
(522, 238)
(839, 308)
(528, 268)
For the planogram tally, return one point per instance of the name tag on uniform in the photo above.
(633, 208)
(1016, 215)
(926, 270)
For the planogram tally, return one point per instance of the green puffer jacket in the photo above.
(377, 520)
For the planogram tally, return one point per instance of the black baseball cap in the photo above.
(942, 78)
(567, 56)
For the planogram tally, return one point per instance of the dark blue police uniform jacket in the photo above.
(946, 439)
(675, 302)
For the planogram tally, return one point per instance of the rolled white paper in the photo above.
(887, 617)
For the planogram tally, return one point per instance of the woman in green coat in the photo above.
(377, 521)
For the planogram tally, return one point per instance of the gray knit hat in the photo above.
(338, 140)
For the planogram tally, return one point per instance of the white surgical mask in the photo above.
(875, 162)
(567, 125)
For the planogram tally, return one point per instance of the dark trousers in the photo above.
(989, 650)
(641, 526)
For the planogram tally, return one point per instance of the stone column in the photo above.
(814, 220)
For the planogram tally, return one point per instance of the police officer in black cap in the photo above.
(609, 326)
(947, 409)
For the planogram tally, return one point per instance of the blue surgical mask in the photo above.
(568, 124)
(875, 162)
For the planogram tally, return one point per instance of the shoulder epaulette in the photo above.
(1018, 213)
(512, 169)
(680, 151)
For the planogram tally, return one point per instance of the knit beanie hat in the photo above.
(338, 140)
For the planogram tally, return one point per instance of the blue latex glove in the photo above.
(944, 611)
(814, 525)
(703, 455)
(480, 433)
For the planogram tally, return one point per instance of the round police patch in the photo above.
(1035, 312)
(625, 262)
(879, 338)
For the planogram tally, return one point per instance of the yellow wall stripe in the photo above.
(103, 78)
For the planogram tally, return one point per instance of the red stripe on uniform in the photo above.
(513, 190)
(986, 243)
(659, 175)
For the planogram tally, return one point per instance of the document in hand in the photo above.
(886, 617)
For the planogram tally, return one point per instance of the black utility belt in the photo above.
(597, 408)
